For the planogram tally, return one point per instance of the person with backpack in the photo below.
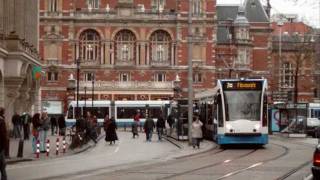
(148, 127)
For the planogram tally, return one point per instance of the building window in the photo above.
(160, 46)
(124, 77)
(90, 47)
(93, 4)
(125, 46)
(160, 77)
(52, 76)
(53, 5)
(89, 76)
(197, 77)
(287, 75)
(242, 59)
(197, 8)
(158, 5)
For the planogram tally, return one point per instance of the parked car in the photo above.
(313, 127)
(316, 163)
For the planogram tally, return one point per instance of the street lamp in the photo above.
(78, 86)
(71, 86)
(176, 87)
(280, 24)
(93, 77)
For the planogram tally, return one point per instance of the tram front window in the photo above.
(242, 105)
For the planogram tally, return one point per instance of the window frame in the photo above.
(122, 75)
(53, 76)
(160, 77)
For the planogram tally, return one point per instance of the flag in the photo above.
(36, 72)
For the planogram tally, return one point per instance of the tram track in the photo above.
(209, 165)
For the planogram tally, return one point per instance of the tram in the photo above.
(123, 111)
(235, 112)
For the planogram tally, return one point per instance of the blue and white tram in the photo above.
(123, 111)
(239, 112)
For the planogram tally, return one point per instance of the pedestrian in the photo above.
(45, 126)
(26, 120)
(196, 131)
(35, 131)
(16, 121)
(110, 128)
(170, 120)
(148, 127)
(90, 127)
(3, 144)
(62, 125)
(135, 125)
(53, 123)
(160, 126)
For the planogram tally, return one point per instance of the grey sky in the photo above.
(308, 10)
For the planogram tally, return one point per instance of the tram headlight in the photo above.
(228, 126)
(257, 126)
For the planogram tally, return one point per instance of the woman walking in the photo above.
(35, 131)
(196, 132)
(45, 126)
(110, 128)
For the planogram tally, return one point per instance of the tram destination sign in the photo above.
(242, 85)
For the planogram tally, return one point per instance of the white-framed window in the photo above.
(52, 76)
(89, 76)
(140, 8)
(125, 45)
(160, 47)
(160, 77)
(158, 5)
(93, 4)
(287, 75)
(197, 77)
(197, 8)
(242, 57)
(90, 46)
(53, 5)
(124, 77)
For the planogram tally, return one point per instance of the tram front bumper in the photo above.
(242, 139)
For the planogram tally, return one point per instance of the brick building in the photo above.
(294, 60)
(133, 49)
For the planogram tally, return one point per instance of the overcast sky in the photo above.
(308, 10)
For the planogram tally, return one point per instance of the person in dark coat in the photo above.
(170, 120)
(35, 131)
(160, 126)
(62, 125)
(110, 128)
(3, 144)
(26, 120)
(54, 125)
(148, 127)
(16, 121)
(135, 124)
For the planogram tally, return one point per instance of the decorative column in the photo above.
(12, 86)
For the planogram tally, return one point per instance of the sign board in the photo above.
(52, 107)
(242, 85)
(280, 96)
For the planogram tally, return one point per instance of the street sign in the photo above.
(280, 96)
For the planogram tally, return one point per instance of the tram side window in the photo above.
(70, 112)
(99, 112)
(126, 112)
(219, 110)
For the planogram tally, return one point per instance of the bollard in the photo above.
(57, 146)
(38, 149)
(48, 147)
(64, 144)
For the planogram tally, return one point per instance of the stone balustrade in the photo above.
(129, 85)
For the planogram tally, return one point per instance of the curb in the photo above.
(15, 161)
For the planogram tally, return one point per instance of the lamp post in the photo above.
(78, 86)
(85, 99)
(190, 73)
(93, 77)
(280, 24)
(71, 86)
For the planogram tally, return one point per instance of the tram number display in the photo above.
(235, 85)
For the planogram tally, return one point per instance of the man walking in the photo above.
(16, 121)
(148, 127)
(160, 126)
(3, 144)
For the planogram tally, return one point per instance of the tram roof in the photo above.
(207, 93)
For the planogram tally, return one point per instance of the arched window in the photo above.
(160, 46)
(89, 46)
(125, 46)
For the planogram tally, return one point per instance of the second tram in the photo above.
(236, 112)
